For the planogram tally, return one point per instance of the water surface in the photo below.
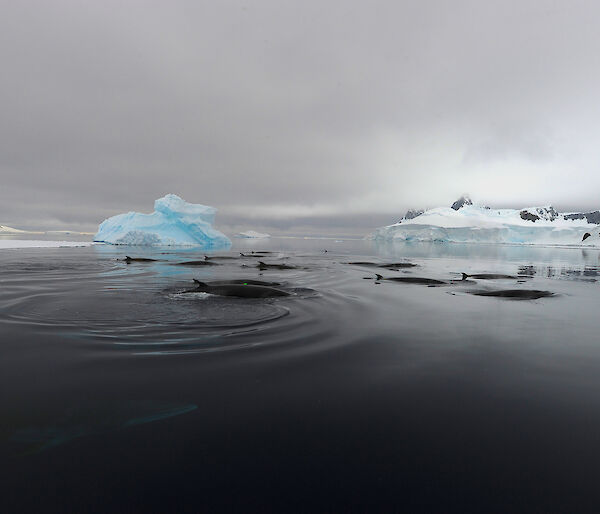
(121, 392)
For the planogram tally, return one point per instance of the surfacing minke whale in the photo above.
(586, 235)
(263, 266)
(488, 276)
(388, 265)
(414, 280)
(209, 257)
(196, 263)
(239, 290)
(243, 281)
(128, 259)
(254, 254)
(516, 294)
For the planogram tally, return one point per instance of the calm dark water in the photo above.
(120, 394)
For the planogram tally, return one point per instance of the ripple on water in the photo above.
(112, 307)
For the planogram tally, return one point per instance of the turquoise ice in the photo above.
(173, 222)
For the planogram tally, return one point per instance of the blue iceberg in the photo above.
(173, 222)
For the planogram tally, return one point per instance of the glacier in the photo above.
(465, 222)
(173, 222)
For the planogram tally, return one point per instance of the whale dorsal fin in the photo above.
(379, 277)
(465, 276)
(200, 284)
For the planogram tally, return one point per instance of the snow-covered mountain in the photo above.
(465, 222)
(9, 230)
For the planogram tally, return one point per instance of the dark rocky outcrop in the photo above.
(591, 217)
(413, 213)
(527, 216)
(547, 213)
(461, 202)
(540, 213)
(576, 216)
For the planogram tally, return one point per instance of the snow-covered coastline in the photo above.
(252, 234)
(5, 230)
(11, 244)
(468, 223)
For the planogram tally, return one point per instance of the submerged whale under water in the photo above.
(86, 420)
(517, 294)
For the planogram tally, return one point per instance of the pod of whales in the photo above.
(251, 288)
(517, 294)
(243, 290)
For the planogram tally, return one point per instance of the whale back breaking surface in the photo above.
(489, 276)
(197, 263)
(384, 265)
(240, 290)
(244, 281)
(264, 266)
(414, 280)
(138, 259)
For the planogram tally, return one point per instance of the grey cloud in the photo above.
(351, 109)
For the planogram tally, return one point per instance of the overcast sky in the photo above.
(295, 113)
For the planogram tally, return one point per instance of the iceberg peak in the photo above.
(173, 222)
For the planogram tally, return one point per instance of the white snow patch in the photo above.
(10, 230)
(252, 234)
(25, 243)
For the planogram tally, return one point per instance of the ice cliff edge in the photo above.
(173, 222)
(465, 222)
